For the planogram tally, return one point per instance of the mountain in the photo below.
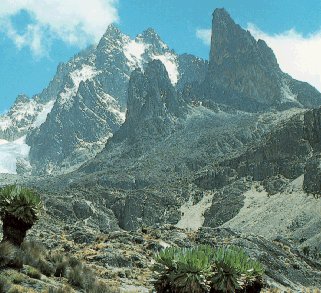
(222, 151)
(87, 99)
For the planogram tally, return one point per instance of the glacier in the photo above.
(11, 152)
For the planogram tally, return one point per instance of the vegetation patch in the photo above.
(207, 269)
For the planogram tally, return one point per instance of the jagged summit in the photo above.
(150, 32)
(152, 101)
(111, 31)
(22, 98)
(231, 41)
(244, 73)
(150, 36)
(221, 16)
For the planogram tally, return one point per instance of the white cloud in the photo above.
(204, 35)
(72, 21)
(297, 55)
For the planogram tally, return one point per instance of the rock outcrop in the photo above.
(244, 72)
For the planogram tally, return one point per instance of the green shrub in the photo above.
(183, 270)
(19, 210)
(225, 278)
(204, 269)
(235, 269)
(20, 202)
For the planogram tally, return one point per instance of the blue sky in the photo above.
(36, 35)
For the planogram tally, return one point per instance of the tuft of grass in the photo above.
(10, 256)
(63, 289)
(35, 255)
(60, 263)
(20, 289)
(81, 276)
(17, 278)
(4, 284)
(32, 272)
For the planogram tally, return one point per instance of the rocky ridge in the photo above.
(86, 101)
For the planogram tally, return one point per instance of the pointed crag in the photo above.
(244, 73)
(232, 43)
(152, 102)
(242, 70)
(151, 37)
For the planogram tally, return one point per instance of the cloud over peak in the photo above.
(297, 55)
(72, 21)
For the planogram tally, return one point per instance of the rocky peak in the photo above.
(244, 72)
(112, 32)
(151, 93)
(152, 105)
(230, 43)
(113, 38)
(150, 36)
(22, 98)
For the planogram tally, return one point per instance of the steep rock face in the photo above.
(153, 112)
(152, 101)
(29, 113)
(79, 132)
(287, 152)
(64, 70)
(244, 73)
(25, 113)
(192, 70)
(105, 70)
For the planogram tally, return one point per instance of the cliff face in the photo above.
(89, 97)
(153, 104)
(244, 72)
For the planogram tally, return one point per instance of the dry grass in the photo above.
(304, 290)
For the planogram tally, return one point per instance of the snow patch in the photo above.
(5, 123)
(170, 62)
(287, 94)
(193, 214)
(87, 72)
(113, 107)
(10, 152)
(134, 51)
(83, 74)
(42, 116)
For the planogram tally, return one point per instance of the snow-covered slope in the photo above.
(16, 122)
(12, 153)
